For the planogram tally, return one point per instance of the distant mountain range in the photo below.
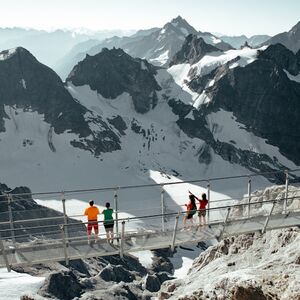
(156, 45)
(239, 41)
(49, 47)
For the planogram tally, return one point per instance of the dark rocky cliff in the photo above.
(113, 72)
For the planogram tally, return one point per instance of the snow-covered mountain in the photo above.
(290, 39)
(247, 86)
(121, 120)
(156, 45)
(240, 40)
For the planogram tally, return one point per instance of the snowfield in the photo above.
(13, 285)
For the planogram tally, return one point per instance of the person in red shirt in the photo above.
(202, 208)
(92, 213)
(190, 210)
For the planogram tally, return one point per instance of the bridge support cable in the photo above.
(174, 233)
(268, 218)
(208, 197)
(63, 200)
(224, 224)
(65, 244)
(163, 208)
(10, 216)
(286, 191)
(116, 207)
(249, 196)
(122, 240)
(3, 251)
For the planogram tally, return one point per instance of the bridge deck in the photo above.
(42, 251)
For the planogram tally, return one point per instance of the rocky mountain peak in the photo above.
(6, 54)
(283, 57)
(290, 39)
(295, 29)
(192, 50)
(29, 85)
(113, 72)
(181, 25)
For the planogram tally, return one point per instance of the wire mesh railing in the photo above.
(69, 240)
(35, 224)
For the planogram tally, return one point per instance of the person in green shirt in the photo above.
(109, 223)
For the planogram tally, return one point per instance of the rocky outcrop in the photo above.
(113, 72)
(283, 57)
(104, 278)
(62, 285)
(116, 274)
(152, 283)
(248, 267)
(192, 50)
(24, 207)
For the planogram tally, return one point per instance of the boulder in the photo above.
(152, 283)
(62, 285)
(116, 274)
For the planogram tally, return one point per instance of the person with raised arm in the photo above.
(191, 209)
(202, 208)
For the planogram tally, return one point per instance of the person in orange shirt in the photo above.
(92, 213)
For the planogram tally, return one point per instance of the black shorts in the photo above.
(108, 225)
(189, 216)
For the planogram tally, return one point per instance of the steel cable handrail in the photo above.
(62, 225)
(119, 211)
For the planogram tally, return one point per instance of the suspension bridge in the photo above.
(29, 241)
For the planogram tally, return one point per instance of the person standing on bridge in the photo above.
(109, 223)
(92, 213)
(191, 209)
(202, 208)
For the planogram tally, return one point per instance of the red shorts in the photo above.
(91, 225)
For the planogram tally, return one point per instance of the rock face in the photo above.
(113, 72)
(283, 57)
(245, 267)
(290, 39)
(262, 97)
(259, 95)
(192, 50)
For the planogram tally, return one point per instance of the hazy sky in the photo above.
(226, 16)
